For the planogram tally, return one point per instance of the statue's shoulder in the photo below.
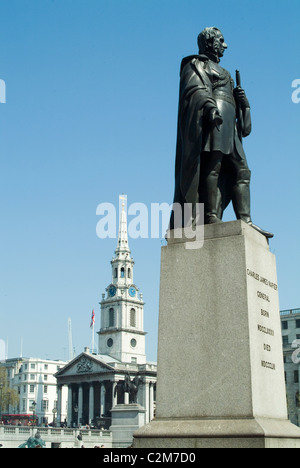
(193, 60)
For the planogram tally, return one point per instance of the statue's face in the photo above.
(219, 45)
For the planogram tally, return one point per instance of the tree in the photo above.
(8, 396)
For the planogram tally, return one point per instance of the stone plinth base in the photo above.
(126, 419)
(220, 360)
(221, 433)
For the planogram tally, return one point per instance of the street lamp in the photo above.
(54, 411)
(33, 411)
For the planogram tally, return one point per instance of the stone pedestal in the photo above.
(220, 361)
(126, 419)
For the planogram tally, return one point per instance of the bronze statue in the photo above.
(213, 117)
(129, 386)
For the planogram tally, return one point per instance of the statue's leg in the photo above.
(241, 195)
(211, 166)
(241, 192)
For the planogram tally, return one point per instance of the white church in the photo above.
(119, 377)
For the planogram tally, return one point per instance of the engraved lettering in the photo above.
(268, 365)
(263, 296)
(253, 274)
(267, 331)
(264, 313)
(267, 347)
(263, 280)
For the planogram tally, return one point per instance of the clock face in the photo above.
(112, 291)
(133, 343)
(132, 291)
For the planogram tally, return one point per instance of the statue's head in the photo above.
(211, 41)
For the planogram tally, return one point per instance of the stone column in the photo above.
(126, 398)
(114, 398)
(146, 401)
(91, 403)
(80, 404)
(102, 398)
(151, 401)
(70, 405)
(58, 418)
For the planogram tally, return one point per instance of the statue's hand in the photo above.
(240, 97)
(215, 118)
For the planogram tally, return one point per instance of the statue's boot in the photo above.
(241, 201)
(212, 198)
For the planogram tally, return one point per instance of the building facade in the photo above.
(34, 381)
(96, 382)
(290, 324)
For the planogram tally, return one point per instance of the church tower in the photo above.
(122, 333)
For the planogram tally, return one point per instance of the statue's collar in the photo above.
(208, 56)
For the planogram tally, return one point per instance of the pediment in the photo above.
(85, 364)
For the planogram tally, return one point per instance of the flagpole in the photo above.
(93, 330)
(93, 337)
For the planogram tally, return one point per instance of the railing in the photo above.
(289, 312)
(51, 434)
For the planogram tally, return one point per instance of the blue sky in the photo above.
(91, 111)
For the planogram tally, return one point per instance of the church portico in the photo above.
(91, 396)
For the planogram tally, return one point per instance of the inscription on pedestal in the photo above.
(263, 313)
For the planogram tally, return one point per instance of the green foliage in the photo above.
(8, 396)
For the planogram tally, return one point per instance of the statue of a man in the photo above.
(213, 117)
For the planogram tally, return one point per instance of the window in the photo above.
(296, 377)
(116, 272)
(110, 342)
(284, 325)
(122, 272)
(44, 405)
(32, 377)
(31, 388)
(32, 366)
(285, 340)
(129, 273)
(111, 317)
(45, 388)
(132, 318)
(297, 323)
(45, 377)
(46, 366)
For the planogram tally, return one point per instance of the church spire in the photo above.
(122, 246)
(122, 263)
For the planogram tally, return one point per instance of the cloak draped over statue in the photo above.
(200, 84)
